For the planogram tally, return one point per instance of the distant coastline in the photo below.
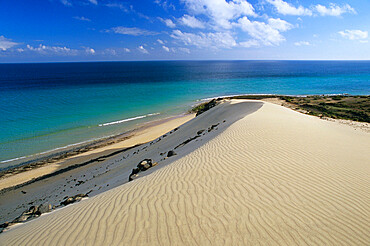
(51, 108)
(295, 102)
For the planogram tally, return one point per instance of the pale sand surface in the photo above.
(142, 136)
(275, 177)
(103, 173)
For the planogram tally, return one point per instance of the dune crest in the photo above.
(274, 177)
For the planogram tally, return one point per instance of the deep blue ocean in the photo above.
(47, 106)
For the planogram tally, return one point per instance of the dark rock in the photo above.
(21, 218)
(24, 192)
(4, 225)
(73, 199)
(171, 153)
(135, 171)
(213, 127)
(145, 164)
(200, 132)
(186, 141)
(45, 208)
(132, 177)
(31, 210)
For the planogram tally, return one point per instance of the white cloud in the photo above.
(134, 31)
(81, 18)
(66, 2)
(288, 9)
(279, 24)
(166, 48)
(191, 21)
(302, 43)
(118, 5)
(127, 50)
(165, 4)
(354, 34)
(6, 43)
(45, 50)
(160, 41)
(249, 43)
(185, 50)
(95, 2)
(221, 12)
(205, 40)
(334, 10)
(265, 33)
(90, 51)
(110, 52)
(142, 49)
(168, 22)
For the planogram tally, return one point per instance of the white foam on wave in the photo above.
(74, 144)
(129, 119)
(50, 151)
(15, 159)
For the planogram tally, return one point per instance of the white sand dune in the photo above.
(275, 177)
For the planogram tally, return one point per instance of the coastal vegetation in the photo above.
(356, 108)
(347, 107)
(203, 107)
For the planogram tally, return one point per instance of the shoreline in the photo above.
(50, 156)
(106, 143)
(80, 147)
(108, 169)
(254, 172)
(82, 154)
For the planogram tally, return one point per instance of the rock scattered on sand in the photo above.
(186, 141)
(141, 167)
(133, 177)
(31, 213)
(45, 208)
(171, 153)
(145, 164)
(213, 127)
(73, 199)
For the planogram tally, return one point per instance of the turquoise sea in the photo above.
(48, 106)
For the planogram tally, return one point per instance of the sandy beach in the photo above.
(243, 173)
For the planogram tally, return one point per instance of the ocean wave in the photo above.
(129, 119)
(15, 161)
(32, 156)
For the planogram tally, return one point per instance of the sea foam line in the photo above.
(79, 143)
(129, 119)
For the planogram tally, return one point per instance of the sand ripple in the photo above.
(275, 177)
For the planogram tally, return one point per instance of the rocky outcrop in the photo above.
(145, 164)
(73, 199)
(171, 153)
(141, 167)
(29, 214)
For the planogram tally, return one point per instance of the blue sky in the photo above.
(114, 30)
